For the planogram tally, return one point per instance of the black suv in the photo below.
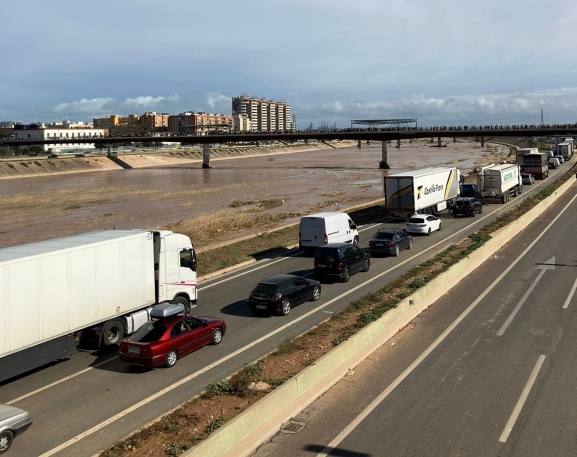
(340, 261)
(467, 206)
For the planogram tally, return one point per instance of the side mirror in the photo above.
(354, 227)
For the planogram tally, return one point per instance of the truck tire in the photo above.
(180, 300)
(112, 333)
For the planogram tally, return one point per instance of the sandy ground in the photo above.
(46, 207)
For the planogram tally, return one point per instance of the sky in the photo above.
(443, 62)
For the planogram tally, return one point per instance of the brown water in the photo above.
(51, 206)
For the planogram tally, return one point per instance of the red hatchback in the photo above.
(164, 341)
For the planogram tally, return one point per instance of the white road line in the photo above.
(570, 296)
(522, 399)
(59, 381)
(354, 424)
(235, 353)
(521, 302)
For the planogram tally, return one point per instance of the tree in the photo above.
(34, 150)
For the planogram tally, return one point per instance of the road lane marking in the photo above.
(59, 381)
(522, 399)
(355, 422)
(543, 268)
(570, 296)
(238, 351)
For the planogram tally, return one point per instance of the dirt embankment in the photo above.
(37, 166)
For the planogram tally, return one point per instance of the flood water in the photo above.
(49, 206)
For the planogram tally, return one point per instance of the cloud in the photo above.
(215, 99)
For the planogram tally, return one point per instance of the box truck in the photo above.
(500, 182)
(522, 152)
(535, 163)
(98, 286)
(426, 191)
(565, 149)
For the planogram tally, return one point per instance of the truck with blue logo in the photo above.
(426, 191)
(500, 182)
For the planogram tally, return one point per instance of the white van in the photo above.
(323, 228)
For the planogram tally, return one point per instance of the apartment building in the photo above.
(200, 123)
(120, 126)
(151, 122)
(241, 123)
(264, 115)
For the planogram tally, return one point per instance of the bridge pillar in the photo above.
(432, 139)
(384, 163)
(359, 144)
(454, 139)
(439, 142)
(482, 141)
(206, 155)
(398, 142)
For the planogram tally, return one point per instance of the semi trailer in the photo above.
(426, 191)
(500, 182)
(534, 163)
(565, 149)
(96, 287)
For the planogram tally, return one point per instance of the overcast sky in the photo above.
(444, 62)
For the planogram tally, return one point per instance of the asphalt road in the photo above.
(488, 370)
(84, 404)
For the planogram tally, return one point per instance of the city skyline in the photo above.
(331, 61)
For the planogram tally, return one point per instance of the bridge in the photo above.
(383, 135)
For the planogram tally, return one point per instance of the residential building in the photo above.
(264, 115)
(241, 123)
(42, 132)
(200, 123)
(120, 126)
(151, 122)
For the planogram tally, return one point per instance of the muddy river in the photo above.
(45, 207)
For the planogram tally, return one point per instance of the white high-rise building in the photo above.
(264, 115)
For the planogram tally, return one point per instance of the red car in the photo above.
(163, 341)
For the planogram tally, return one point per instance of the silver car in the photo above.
(13, 422)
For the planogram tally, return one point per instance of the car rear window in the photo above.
(416, 220)
(266, 287)
(384, 235)
(327, 256)
(148, 333)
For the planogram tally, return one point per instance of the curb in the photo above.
(243, 434)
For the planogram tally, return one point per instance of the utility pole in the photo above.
(542, 123)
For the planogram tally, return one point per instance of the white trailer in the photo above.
(500, 182)
(99, 286)
(426, 191)
(565, 149)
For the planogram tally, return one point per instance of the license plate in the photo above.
(134, 350)
(321, 265)
(379, 244)
(260, 306)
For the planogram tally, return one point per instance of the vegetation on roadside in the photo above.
(295, 354)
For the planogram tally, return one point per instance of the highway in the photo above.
(86, 403)
(489, 370)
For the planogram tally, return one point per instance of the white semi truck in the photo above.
(98, 286)
(500, 182)
(565, 149)
(426, 191)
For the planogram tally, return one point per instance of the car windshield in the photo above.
(383, 236)
(327, 256)
(148, 333)
(266, 287)
(416, 220)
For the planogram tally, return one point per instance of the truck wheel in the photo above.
(113, 333)
(6, 438)
(180, 300)
(171, 359)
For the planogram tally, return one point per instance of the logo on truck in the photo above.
(422, 190)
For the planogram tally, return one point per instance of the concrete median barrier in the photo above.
(261, 421)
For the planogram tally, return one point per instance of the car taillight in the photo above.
(276, 297)
(315, 264)
(300, 235)
(389, 244)
(422, 225)
(340, 266)
(371, 243)
(146, 351)
(326, 239)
